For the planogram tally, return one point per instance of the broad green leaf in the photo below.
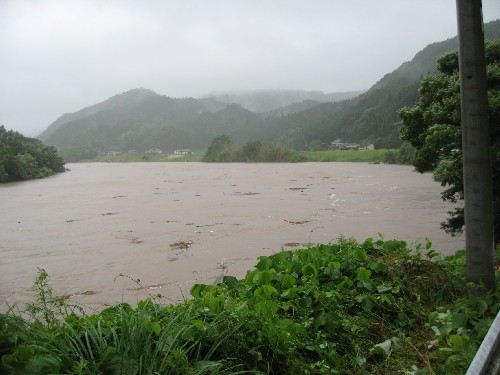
(360, 255)
(266, 291)
(156, 328)
(290, 293)
(334, 265)
(364, 274)
(264, 277)
(197, 290)
(365, 301)
(264, 263)
(377, 267)
(287, 281)
(458, 320)
(309, 270)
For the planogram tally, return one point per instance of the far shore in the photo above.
(352, 156)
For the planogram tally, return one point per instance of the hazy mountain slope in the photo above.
(269, 100)
(293, 108)
(115, 101)
(100, 126)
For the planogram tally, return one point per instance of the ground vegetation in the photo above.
(341, 308)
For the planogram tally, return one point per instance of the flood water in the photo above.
(175, 224)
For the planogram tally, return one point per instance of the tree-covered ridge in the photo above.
(433, 127)
(23, 158)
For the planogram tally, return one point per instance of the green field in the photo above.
(364, 156)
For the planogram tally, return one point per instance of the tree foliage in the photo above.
(223, 150)
(23, 158)
(433, 127)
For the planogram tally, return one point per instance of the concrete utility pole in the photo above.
(479, 241)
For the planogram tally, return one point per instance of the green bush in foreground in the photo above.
(343, 308)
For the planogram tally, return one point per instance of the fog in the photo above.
(60, 56)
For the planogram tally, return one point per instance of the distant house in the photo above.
(113, 153)
(154, 151)
(340, 144)
(183, 151)
(337, 144)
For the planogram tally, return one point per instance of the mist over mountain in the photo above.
(270, 100)
(141, 119)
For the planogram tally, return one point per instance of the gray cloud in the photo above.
(59, 56)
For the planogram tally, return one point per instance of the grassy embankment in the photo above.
(365, 156)
(378, 307)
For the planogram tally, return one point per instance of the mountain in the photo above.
(123, 118)
(141, 119)
(372, 116)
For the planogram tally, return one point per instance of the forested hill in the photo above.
(118, 121)
(140, 119)
(372, 116)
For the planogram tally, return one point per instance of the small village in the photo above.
(340, 144)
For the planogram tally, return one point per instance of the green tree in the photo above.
(251, 150)
(23, 158)
(433, 128)
(219, 150)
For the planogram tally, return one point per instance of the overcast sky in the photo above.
(58, 56)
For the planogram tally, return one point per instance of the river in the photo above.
(171, 225)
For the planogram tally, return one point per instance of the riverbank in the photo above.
(358, 156)
(342, 308)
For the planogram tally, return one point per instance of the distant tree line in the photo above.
(223, 150)
(23, 158)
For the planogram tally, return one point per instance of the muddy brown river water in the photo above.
(175, 224)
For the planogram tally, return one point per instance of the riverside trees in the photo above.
(433, 127)
(223, 150)
(23, 158)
